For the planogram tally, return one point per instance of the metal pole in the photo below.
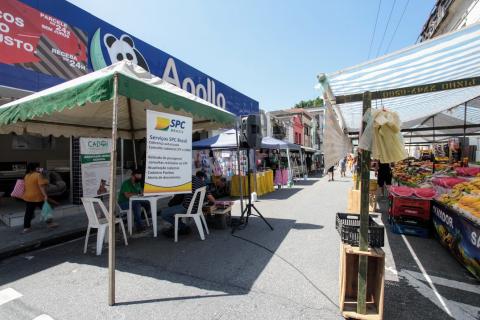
(364, 210)
(239, 163)
(112, 201)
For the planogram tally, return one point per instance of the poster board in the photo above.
(95, 165)
(169, 154)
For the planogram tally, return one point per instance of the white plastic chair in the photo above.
(197, 217)
(123, 213)
(101, 224)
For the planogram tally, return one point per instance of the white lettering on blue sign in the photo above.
(170, 74)
(443, 216)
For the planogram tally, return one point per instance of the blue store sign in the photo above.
(46, 42)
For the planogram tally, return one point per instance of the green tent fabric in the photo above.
(83, 106)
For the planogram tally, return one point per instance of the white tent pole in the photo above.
(112, 201)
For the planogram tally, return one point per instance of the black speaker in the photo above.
(251, 131)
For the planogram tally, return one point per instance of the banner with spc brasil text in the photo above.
(169, 154)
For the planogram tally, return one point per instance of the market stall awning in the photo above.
(224, 140)
(228, 140)
(449, 57)
(83, 106)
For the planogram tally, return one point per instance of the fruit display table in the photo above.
(459, 234)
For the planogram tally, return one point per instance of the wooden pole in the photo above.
(364, 210)
(112, 201)
(132, 132)
(433, 161)
(464, 149)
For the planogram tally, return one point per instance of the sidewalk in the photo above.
(72, 224)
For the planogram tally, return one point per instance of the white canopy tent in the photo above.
(110, 102)
(449, 57)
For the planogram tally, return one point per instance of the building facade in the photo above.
(299, 126)
(450, 15)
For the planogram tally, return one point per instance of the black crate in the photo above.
(348, 226)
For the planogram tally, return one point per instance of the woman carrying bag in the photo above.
(35, 196)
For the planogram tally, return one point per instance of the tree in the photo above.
(313, 103)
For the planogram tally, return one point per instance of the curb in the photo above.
(42, 243)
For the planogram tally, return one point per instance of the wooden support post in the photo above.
(132, 132)
(364, 210)
(464, 149)
(433, 149)
(112, 201)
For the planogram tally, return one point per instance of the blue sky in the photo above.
(269, 50)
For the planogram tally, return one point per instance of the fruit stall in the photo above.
(450, 198)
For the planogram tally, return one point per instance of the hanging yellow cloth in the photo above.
(382, 136)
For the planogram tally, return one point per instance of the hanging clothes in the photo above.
(382, 136)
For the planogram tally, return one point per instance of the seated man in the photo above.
(168, 214)
(132, 187)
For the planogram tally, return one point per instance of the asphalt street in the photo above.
(288, 273)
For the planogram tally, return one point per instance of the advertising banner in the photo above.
(169, 154)
(460, 235)
(37, 41)
(44, 43)
(95, 165)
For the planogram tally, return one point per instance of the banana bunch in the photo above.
(470, 204)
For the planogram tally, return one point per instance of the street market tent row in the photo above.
(417, 82)
(453, 56)
(228, 140)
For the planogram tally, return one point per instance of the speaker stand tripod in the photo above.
(247, 212)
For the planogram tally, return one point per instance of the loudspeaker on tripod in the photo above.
(251, 131)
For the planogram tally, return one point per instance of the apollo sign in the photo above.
(207, 93)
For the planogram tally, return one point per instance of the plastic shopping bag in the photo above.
(19, 189)
(47, 211)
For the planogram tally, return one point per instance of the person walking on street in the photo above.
(35, 195)
(343, 166)
(331, 170)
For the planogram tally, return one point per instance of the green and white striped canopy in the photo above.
(83, 106)
(449, 57)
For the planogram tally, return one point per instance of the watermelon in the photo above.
(448, 182)
(468, 171)
(425, 193)
(401, 191)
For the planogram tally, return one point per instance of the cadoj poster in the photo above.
(95, 164)
(169, 154)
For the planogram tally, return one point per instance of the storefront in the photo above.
(70, 42)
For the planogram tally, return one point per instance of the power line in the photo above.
(398, 24)
(386, 27)
(374, 29)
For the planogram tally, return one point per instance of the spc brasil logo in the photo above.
(164, 124)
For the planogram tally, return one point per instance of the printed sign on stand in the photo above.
(95, 164)
(169, 154)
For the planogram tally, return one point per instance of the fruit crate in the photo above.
(348, 226)
(409, 227)
(409, 207)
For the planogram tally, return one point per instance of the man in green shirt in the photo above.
(133, 187)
